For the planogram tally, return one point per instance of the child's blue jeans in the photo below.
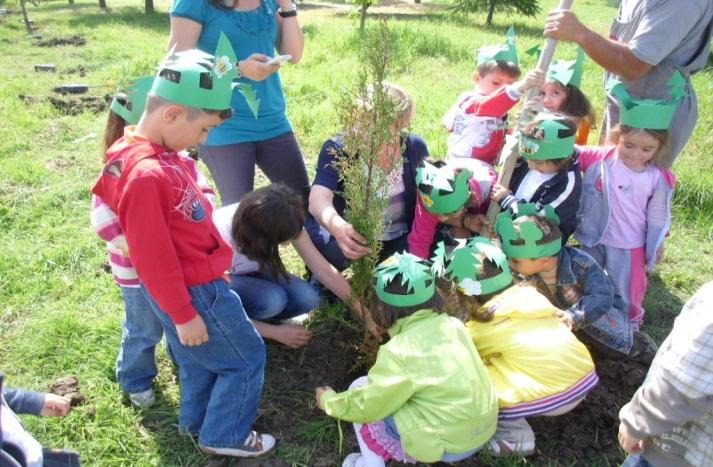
(265, 297)
(141, 332)
(221, 380)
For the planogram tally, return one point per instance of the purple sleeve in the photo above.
(422, 231)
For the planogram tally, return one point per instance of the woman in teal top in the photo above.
(255, 29)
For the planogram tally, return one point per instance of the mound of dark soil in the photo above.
(75, 40)
(585, 436)
(68, 386)
(78, 105)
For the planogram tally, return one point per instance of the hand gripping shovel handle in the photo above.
(509, 153)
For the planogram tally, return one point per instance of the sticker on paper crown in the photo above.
(525, 240)
(652, 114)
(442, 189)
(465, 264)
(416, 278)
(197, 79)
(547, 140)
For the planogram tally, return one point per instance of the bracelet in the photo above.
(288, 14)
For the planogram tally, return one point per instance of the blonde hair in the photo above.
(659, 135)
(405, 107)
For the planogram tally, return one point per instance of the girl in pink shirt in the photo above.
(625, 210)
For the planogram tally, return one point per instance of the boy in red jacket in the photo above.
(180, 256)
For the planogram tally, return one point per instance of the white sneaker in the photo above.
(351, 460)
(255, 445)
(142, 400)
(297, 320)
(512, 438)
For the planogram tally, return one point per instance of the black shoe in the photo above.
(643, 349)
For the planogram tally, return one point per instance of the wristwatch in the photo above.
(289, 13)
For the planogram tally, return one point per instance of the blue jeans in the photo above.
(136, 364)
(636, 460)
(221, 380)
(265, 297)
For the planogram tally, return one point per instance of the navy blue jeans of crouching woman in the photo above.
(221, 380)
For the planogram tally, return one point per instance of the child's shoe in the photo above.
(142, 400)
(643, 349)
(512, 438)
(352, 460)
(255, 445)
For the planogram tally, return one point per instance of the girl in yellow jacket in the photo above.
(427, 398)
(538, 367)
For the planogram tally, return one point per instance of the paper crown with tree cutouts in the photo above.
(136, 93)
(464, 264)
(416, 278)
(442, 189)
(503, 52)
(567, 71)
(652, 114)
(201, 80)
(563, 71)
(548, 139)
(525, 239)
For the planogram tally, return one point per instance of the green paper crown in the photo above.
(448, 191)
(415, 274)
(652, 114)
(136, 94)
(548, 145)
(568, 71)
(200, 80)
(462, 265)
(504, 52)
(529, 233)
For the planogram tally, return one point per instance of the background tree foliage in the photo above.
(523, 7)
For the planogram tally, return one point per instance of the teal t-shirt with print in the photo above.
(253, 31)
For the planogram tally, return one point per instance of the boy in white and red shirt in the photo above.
(477, 122)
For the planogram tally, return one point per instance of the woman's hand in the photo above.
(350, 241)
(256, 68)
(291, 335)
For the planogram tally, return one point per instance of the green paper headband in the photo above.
(136, 93)
(463, 263)
(449, 191)
(504, 52)
(548, 145)
(415, 275)
(530, 233)
(198, 79)
(568, 71)
(652, 114)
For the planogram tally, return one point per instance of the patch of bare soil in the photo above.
(77, 105)
(75, 40)
(585, 436)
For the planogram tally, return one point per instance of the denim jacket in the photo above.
(594, 210)
(583, 288)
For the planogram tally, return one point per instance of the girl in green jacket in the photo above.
(428, 397)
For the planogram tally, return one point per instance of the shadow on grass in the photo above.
(661, 307)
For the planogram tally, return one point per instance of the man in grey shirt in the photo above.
(648, 41)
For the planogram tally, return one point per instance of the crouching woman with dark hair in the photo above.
(256, 227)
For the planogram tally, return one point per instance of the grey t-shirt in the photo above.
(670, 35)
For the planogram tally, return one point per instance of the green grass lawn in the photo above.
(59, 308)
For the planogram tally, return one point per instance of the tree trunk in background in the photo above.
(362, 20)
(491, 10)
(418, 1)
(24, 16)
(71, 2)
(102, 3)
(149, 6)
